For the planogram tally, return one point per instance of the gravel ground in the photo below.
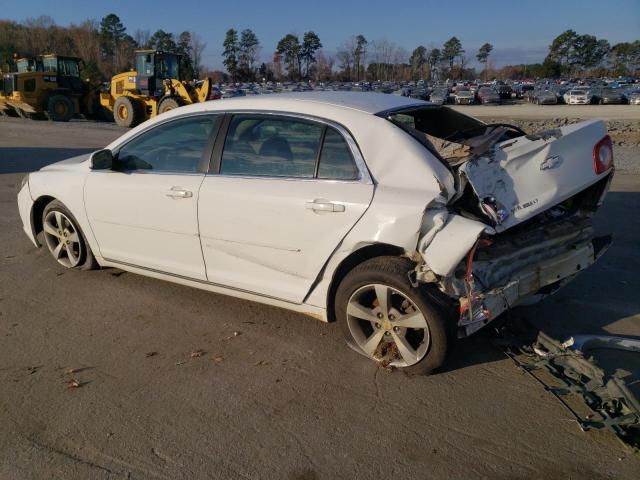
(178, 383)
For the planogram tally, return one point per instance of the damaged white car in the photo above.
(408, 223)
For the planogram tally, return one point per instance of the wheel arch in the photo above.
(37, 210)
(351, 261)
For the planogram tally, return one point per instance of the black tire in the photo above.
(128, 112)
(393, 272)
(86, 260)
(169, 103)
(60, 108)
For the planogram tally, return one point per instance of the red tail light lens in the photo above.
(603, 155)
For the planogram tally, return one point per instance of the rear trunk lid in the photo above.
(516, 179)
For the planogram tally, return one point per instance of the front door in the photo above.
(145, 211)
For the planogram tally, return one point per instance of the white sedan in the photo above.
(408, 223)
(577, 96)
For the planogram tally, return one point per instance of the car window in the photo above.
(176, 146)
(263, 146)
(336, 162)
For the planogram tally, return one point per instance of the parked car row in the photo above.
(542, 92)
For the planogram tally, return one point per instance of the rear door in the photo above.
(283, 193)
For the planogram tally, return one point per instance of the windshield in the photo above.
(68, 67)
(166, 66)
(23, 65)
(50, 64)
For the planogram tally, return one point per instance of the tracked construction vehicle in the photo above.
(154, 87)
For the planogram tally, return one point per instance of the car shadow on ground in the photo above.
(29, 159)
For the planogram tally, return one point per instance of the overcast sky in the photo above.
(519, 30)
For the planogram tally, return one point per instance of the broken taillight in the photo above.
(603, 155)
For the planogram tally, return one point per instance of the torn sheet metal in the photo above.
(451, 243)
(516, 180)
(584, 343)
(569, 375)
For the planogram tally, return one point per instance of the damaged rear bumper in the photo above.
(539, 279)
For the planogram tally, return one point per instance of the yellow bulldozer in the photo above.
(154, 87)
(49, 85)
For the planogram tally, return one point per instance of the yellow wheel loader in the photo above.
(154, 87)
(48, 85)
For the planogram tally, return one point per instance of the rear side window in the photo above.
(335, 159)
(175, 146)
(258, 145)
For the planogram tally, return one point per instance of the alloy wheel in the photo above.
(387, 326)
(62, 238)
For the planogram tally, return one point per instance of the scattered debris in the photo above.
(218, 358)
(150, 354)
(584, 343)
(74, 383)
(235, 334)
(197, 354)
(576, 380)
(70, 371)
(262, 363)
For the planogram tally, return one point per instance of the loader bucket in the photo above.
(204, 91)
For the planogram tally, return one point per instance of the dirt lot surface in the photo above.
(177, 383)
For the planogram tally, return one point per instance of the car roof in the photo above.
(366, 102)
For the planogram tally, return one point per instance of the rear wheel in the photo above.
(128, 112)
(386, 319)
(169, 103)
(65, 239)
(60, 108)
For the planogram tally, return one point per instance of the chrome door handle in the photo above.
(177, 192)
(324, 206)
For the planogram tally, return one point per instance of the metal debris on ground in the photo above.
(197, 354)
(217, 359)
(73, 383)
(595, 398)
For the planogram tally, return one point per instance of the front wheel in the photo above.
(386, 319)
(168, 104)
(65, 239)
(60, 108)
(128, 111)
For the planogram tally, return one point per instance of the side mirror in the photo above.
(102, 160)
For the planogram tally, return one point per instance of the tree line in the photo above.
(107, 47)
(570, 54)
